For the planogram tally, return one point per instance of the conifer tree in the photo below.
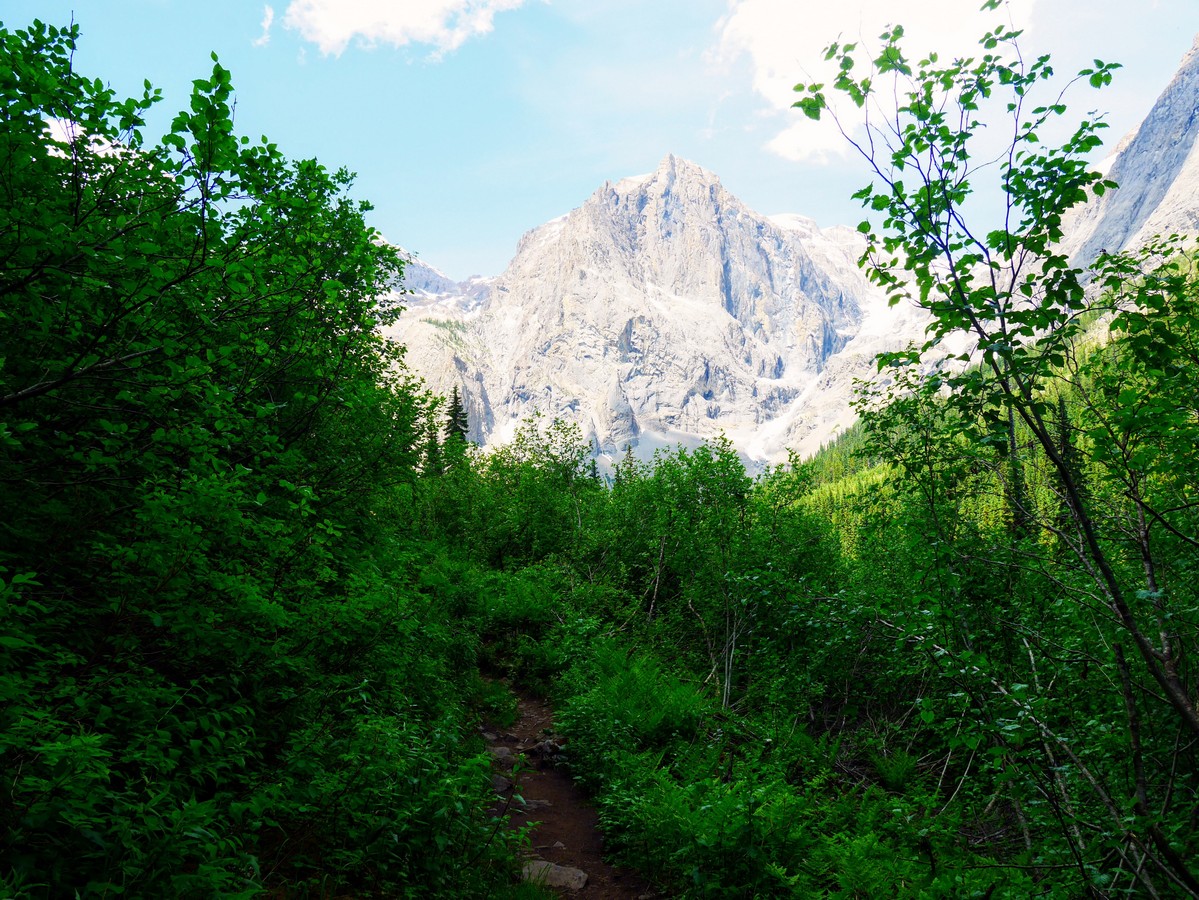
(456, 421)
(433, 461)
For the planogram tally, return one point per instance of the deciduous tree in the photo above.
(1007, 289)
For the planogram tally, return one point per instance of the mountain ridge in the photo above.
(1156, 168)
(662, 309)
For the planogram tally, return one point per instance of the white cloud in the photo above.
(66, 136)
(781, 37)
(443, 24)
(807, 141)
(268, 18)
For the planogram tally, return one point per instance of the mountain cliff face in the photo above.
(664, 310)
(1157, 169)
(661, 310)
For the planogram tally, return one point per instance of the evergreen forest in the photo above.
(257, 590)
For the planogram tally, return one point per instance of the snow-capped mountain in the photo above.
(662, 310)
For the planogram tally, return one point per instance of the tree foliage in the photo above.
(1022, 305)
(250, 571)
(219, 671)
(457, 426)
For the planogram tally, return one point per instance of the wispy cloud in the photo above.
(443, 25)
(781, 37)
(268, 19)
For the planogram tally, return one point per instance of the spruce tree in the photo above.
(456, 421)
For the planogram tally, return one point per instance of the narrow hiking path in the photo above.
(566, 847)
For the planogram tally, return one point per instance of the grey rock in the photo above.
(1157, 169)
(502, 756)
(539, 871)
(662, 310)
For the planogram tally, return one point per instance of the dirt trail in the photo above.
(566, 833)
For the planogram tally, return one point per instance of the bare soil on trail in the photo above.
(565, 826)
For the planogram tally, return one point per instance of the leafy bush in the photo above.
(621, 700)
(222, 672)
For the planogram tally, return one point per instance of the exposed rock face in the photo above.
(663, 309)
(1157, 169)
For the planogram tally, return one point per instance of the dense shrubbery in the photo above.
(908, 701)
(227, 663)
(958, 661)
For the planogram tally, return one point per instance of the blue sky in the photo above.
(471, 121)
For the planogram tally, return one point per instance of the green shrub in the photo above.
(620, 698)
(895, 770)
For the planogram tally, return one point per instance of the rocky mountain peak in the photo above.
(665, 310)
(662, 309)
(671, 171)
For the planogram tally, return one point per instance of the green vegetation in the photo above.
(250, 572)
(228, 661)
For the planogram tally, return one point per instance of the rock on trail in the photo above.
(566, 847)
